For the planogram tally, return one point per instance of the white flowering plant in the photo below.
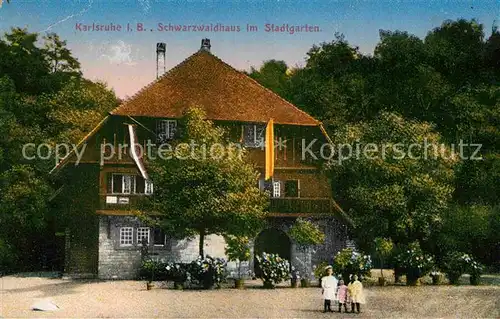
(177, 272)
(349, 262)
(414, 262)
(273, 268)
(208, 271)
(457, 263)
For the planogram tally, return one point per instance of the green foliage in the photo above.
(305, 233)
(197, 193)
(238, 250)
(319, 269)
(470, 229)
(43, 99)
(208, 271)
(412, 261)
(389, 195)
(273, 268)
(349, 262)
(383, 248)
(456, 263)
(153, 270)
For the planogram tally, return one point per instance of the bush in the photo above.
(457, 263)
(153, 270)
(273, 268)
(319, 270)
(207, 271)
(413, 262)
(7, 258)
(348, 262)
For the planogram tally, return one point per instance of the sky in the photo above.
(126, 59)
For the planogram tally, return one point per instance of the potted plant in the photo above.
(207, 272)
(383, 248)
(475, 270)
(349, 262)
(295, 277)
(319, 271)
(414, 263)
(178, 274)
(305, 234)
(454, 266)
(436, 277)
(274, 269)
(238, 250)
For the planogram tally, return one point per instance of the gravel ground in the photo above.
(130, 299)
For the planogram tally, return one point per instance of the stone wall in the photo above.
(117, 262)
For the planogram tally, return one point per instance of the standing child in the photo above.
(357, 294)
(342, 296)
(329, 285)
(349, 293)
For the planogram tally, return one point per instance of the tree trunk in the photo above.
(202, 243)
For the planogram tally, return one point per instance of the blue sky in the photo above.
(126, 60)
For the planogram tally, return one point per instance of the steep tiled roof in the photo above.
(223, 92)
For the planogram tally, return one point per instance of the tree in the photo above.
(388, 191)
(384, 248)
(306, 234)
(237, 250)
(273, 75)
(202, 191)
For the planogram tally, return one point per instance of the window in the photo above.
(253, 135)
(276, 189)
(122, 184)
(159, 238)
(126, 236)
(148, 188)
(128, 184)
(142, 234)
(165, 130)
(292, 188)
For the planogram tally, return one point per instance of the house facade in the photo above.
(104, 236)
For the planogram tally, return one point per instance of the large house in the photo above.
(99, 194)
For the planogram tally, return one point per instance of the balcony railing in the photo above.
(301, 206)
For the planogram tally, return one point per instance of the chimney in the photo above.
(205, 45)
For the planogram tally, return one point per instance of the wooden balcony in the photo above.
(124, 204)
(301, 206)
(119, 202)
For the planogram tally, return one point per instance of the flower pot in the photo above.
(304, 283)
(178, 285)
(382, 281)
(268, 284)
(454, 279)
(437, 279)
(475, 280)
(149, 285)
(295, 283)
(239, 283)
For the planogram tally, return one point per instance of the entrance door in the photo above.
(272, 241)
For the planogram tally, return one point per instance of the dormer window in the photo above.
(165, 130)
(253, 135)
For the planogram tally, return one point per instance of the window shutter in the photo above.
(117, 183)
(109, 177)
(140, 185)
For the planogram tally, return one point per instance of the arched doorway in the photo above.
(273, 241)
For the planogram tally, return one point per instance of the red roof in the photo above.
(205, 81)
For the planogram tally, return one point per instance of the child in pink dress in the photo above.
(342, 296)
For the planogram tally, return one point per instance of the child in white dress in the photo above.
(329, 291)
